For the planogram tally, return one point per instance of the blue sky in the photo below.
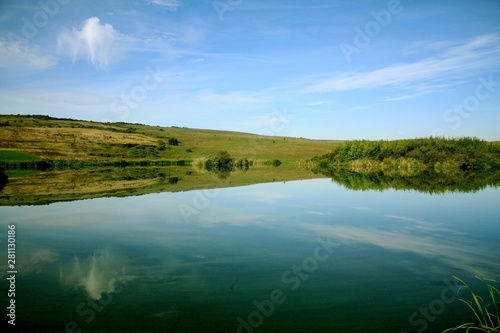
(317, 69)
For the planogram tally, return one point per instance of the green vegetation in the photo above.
(222, 162)
(13, 155)
(173, 141)
(486, 316)
(445, 155)
(432, 165)
(21, 173)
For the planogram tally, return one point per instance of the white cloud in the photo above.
(479, 53)
(168, 4)
(95, 41)
(19, 55)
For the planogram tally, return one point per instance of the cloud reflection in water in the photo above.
(97, 275)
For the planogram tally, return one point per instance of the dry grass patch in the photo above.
(67, 143)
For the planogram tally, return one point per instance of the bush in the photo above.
(173, 141)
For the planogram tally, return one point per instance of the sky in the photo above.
(320, 69)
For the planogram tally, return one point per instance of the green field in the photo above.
(14, 155)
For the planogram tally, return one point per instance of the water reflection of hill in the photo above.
(68, 185)
(427, 181)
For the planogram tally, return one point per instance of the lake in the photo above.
(295, 256)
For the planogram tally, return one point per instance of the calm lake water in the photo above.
(302, 256)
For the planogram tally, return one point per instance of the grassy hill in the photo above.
(75, 140)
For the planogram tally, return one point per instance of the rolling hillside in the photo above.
(66, 139)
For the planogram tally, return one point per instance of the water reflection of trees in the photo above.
(223, 164)
(427, 181)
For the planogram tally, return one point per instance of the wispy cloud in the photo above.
(318, 103)
(312, 212)
(168, 4)
(361, 107)
(424, 89)
(429, 44)
(265, 197)
(19, 55)
(479, 53)
(422, 242)
(93, 40)
(35, 260)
